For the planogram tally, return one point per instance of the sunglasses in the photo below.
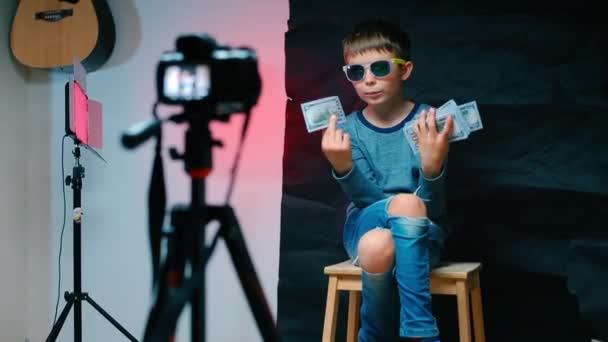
(380, 68)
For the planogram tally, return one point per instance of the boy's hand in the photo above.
(433, 145)
(336, 147)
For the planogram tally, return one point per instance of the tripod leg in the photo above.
(161, 321)
(109, 318)
(233, 237)
(159, 306)
(64, 314)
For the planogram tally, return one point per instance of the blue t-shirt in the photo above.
(385, 165)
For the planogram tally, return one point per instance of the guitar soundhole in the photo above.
(54, 15)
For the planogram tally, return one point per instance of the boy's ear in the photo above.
(407, 69)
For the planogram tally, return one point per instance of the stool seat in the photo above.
(455, 270)
(449, 278)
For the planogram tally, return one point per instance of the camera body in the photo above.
(211, 79)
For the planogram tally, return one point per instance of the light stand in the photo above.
(75, 298)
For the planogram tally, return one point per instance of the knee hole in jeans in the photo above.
(407, 205)
(376, 251)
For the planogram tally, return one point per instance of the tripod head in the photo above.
(197, 155)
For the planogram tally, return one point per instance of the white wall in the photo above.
(12, 187)
(116, 260)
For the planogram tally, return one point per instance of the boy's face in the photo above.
(378, 90)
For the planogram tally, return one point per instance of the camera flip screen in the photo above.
(186, 82)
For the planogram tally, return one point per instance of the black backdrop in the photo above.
(528, 194)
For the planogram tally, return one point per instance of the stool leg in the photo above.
(331, 310)
(464, 314)
(478, 324)
(354, 304)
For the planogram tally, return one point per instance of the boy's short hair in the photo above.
(379, 35)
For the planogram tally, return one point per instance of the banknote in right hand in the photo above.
(317, 112)
(460, 130)
(470, 112)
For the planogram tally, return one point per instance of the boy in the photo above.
(395, 224)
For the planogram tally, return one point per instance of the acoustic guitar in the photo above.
(48, 34)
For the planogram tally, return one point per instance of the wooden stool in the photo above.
(453, 278)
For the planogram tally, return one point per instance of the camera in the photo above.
(207, 77)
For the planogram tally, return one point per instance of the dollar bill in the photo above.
(470, 112)
(317, 112)
(410, 136)
(460, 130)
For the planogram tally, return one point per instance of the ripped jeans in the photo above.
(398, 302)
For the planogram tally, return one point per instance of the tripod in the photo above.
(186, 244)
(75, 298)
